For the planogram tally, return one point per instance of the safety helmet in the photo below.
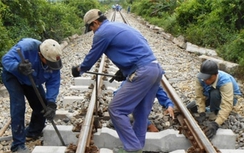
(51, 51)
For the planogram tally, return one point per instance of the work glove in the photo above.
(50, 111)
(119, 76)
(25, 67)
(75, 71)
(201, 117)
(211, 129)
(192, 107)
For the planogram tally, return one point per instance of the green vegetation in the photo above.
(40, 19)
(217, 24)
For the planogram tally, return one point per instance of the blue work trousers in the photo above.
(214, 100)
(136, 96)
(17, 93)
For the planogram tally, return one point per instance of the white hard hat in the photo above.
(51, 51)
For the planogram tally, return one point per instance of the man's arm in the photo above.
(226, 104)
(164, 100)
(200, 98)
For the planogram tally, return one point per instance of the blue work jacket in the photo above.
(223, 78)
(122, 44)
(42, 74)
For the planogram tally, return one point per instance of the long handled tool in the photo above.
(103, 74)
(5, 127)
(109, 75)
(40, 98)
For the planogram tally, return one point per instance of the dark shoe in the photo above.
(22, 150)
(192, 107)
(33, 137)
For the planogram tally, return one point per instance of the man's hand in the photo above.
(25, 67)
(50, 111)
(75, 71)
(170, 111)
(211, 129)
(119, 76)
(201, 117)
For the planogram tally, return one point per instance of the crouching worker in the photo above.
(43, 63)
(216, 91)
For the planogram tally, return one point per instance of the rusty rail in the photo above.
(189, 127)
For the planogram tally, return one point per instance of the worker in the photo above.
(42, 63)
(130, 52)
(164, 101)
(217, 92)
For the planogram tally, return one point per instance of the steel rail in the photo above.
(200, 139)
(87, 125)
(123, 18)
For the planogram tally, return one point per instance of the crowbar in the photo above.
(40, 98)
(103, 74)
(109, 75)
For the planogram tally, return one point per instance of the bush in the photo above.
(234, 50)
(60, 22)
(40, 19)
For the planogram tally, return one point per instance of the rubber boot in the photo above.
(152, 128)
(192, 107)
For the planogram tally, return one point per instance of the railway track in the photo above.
(90, 96)
(189, 127)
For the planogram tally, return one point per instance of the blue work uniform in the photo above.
(19, 87)
(130, 52)
(163, 100)
(161, 95)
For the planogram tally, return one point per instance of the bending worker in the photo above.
(43, 63)
(130, 52)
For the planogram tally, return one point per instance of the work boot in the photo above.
(192, 107)
(30, 136)
(33, 137)
(152, 128)
(22, 150)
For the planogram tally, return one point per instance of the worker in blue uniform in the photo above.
(43, 63)
(164, 101)
(130, 52)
